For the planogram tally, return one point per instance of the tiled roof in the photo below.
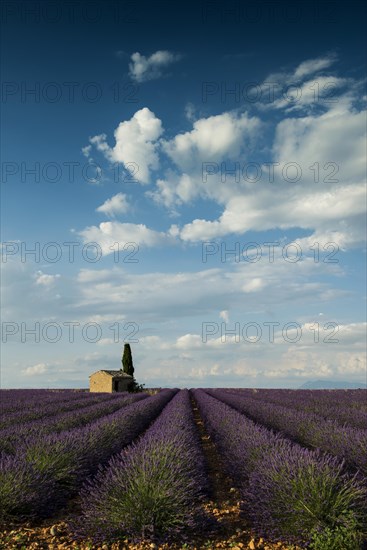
(119, 373)
(115, 373)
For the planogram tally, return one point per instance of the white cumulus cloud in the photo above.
(36, 370)
(45, 280)
(224, 315)
(142, 68)
(107, 234)
(117, 204)
(212, 139)
(135, 144)
(312, 66)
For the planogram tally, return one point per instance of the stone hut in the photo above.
(109, 381)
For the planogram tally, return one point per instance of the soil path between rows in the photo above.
(224, 504)
(232, 531)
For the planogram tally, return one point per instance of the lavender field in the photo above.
(135, 468)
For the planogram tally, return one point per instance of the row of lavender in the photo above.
(347, 407)
(154, 488)
(289, 493)
(31, 410)
(80, 415)
(350, 398)
(14, 400)
(47, 469)
(305, 428)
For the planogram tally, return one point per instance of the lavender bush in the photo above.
(19, 488)
(290, 493)
(346, 407)
(78, 417)
(305, 428)
(154, 487)
(16, 400)
(298, 495)
(30, 411)
(55, 465)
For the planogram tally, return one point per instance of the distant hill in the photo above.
(331, 385)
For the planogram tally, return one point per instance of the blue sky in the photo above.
(192, 179)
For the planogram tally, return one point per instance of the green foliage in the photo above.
(128, 368)
(53, 460)
(312, 499)
(127, 360)
(324, 498)
(342, 537)
(134, 387)
(146, 501)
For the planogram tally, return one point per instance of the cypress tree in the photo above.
(127, 360)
